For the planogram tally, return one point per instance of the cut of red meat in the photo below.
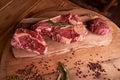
(63, 28)
(69, 19)
(29, 40)
(43, 28)
(98, 26)
(69, 34)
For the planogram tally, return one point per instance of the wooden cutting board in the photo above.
(75, 61)
(56, 48)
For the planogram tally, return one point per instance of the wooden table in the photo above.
(77, 62)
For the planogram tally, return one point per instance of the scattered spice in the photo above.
(50, 78)
(96, 68)
(30, 72)
(82, 63)
(84, 76)
(77, 63)
(73, 53)
(104, 78)
(98, 61)
(76, 74)
(15, 77)
(45, 64)
(109, 59)
(118, 69)
(90, 54)
(70, 57)
(88, 71)
(97, 54)
(79, 76)
(80, 72)
(97, 74)
(50, 59)
(89, 74)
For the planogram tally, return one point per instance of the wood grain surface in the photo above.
(75, 61)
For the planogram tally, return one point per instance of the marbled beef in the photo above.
(43, 28)
(29, 40)
(98, 26)
(63, 28)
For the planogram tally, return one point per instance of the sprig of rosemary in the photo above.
(60, 24)
(66, 72)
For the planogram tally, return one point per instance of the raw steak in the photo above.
(63, 28)
(29, 40)
(98, 26)
(72, 19)
(69, 34)
(43, 28)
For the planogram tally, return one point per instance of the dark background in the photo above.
(113, 12)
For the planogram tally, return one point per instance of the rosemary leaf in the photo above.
(65, 71)
(60, 24)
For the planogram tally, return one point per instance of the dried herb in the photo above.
(15, 77)
(30, 72)
(66, 72)
(60, 24)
